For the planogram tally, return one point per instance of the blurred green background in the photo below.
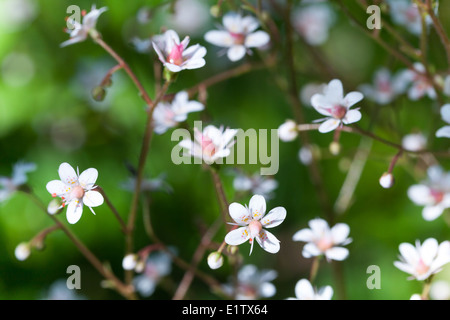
(48, 117)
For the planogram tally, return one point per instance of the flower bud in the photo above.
(232, 249)
(98, 93)
(335, 148)
(288, 131)
(215, 260)
(215, 11)
(22, 251)
(387, 180)
(130, 261)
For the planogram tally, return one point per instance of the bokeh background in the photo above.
(47, 116)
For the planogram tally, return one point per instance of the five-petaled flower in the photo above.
(321, 240)
(422, 261)
(81, 31)
(75, 189)
(251, 220)
(238, 36)
(305, 291)
(335, 106)
(176, 55)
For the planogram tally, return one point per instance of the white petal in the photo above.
(443, 132)
(337, 253)
(409, 253)
(310, 250)
(257, 206)
(219, 38)
(257, 39)
(352, 116)
(237, 236)
(329, 125)
(268, 241)
(240, 214)
(305, 235)
(173, 67)
(430, 213)
(274, 218)
(419, 194)
(93, 199)
(267, 290)
(445, 112)
(321, 104)
(74, 211)
(334, 91)
(319, 226)
(57, 188)
(404, 267)
(67, 174)
(236, 52)
(351, 98)
(429, 250)
(87, 178)
(194, 63)
(325, 293)
(340, 232)
(304, 290)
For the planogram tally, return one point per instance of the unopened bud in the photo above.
(215, 260)
(22, 251)
(98, 93)
(288, 131)
(232, 249)
(130, 261)
(215, 11)
(387, 180)
(335, 148)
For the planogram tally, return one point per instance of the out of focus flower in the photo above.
(22, 251)
(238, 36)
(59, 291)
(414, 142)
(176, 55)
(313, 21)
(387, 180)
(440, 290)
(444, 132)
(157, 266)
(168, 115)
(81, 31)
(256, 184)
(288, 131)
(305, 291)
(184, 11)
(75, 190)
(309, 90)
(384, 88)
(433, 193)
(251, 221)
(253, 284)
(321, 240)
(406, 13)
(423, 260)
(417, 83)
(335, 106)
(211, 144)
(17, 14)
(142, 45)
(9, 185)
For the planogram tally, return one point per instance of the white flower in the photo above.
(9, 185)
(251, 221)
(414, 142)
(253, 284)
(238, 36)
(321, 240)
(168, 115)
(288, 131)
(309, 90)
(130, 261)
(417, 81)
(176, 55)
(211, 144)
(433, 194)
(422, 261)
(444, 132)
(80, 31)
(305, 291)
(406, 13)
(384, 88)
(256, 184)
(75, 190)
(335, 106)
(313, 22)
(215, 260)
(387, 180)
(22, 251)
(157, 266)
(185, 10)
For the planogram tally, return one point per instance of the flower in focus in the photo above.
(444, 132)
(251, 221)
(75, 190)
(253, 283)
(288, 131)
(238, 36)
(157, 266)
(168, 115)
(416, 82)
(9, 185)
(384, 89)
(211, 144)
(423, 260)
(414, 142)
(176, 55)
(433, 193)
(335, 106)
(80, 31)
(256, 184)
(313, 22)
(305, 291)
(215, 260)
(321, 240)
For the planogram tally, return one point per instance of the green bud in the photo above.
(98, 93)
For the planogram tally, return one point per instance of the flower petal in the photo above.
(429, 250)
(257, 206)
(352, 116)
(304, 290)
(445, 112)
(57, 188)
(240, 214)
(334, 91)
(268, 241)
(237, 236)
(430, 213)
(305, 235)
(310, 250)
(329, 125)
(443, 132)
(219, 38)
(74, 211)
(337, 253)
(67, 174)
(419, 194)
(236, 52)
(409, 253)
(87, 178)
(93, 199)
(340, 232)
(257, 39)
(352, 98)
(274, 218)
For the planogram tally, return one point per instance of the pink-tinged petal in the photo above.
(429, 250)
(305, 235)
(443, 132)
(57, 188)
(268, 241)
(219, 38)
(240, 214)
(321, 104)
(352, 116)
(194, 52)
(173, 67)
(171, 39)
(257, 206)
(87, 178)
(329, 125)
(334, 91)
(67, 174)
(232, 22)
(304, 290)
(236, 52)
(310, 250)
(158, 52)
(430, 213)
(337, 253)
(419, 194)
(93, 199)
(237, 236)
(339, 233)
(194, 64)
(257, 39)
(445, 112)
(404, 267)
(74, 211)
(409, 253)
(274, 218)
(352, 98)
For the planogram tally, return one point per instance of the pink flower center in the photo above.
(208, 147)
(176, 55)
(437, 195)
(412, 14)
(384, 86)
(324, 244)
(338, 112)
(421, 268)
(255, 228)
(78, 192)
(238, 38)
